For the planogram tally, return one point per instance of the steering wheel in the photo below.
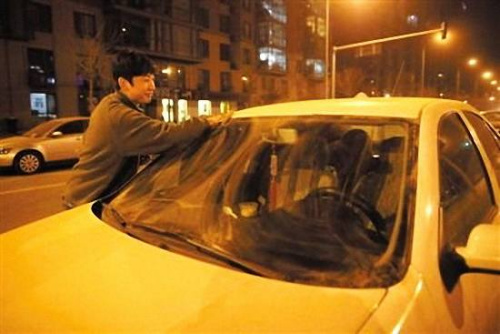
(360, 208)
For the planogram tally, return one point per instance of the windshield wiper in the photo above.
(213, 253)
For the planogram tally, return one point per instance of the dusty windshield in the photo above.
(317, 200)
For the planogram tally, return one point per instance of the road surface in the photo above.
(26, 198)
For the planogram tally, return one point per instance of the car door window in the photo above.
(489, 140)
(465, 189)
(71, 128)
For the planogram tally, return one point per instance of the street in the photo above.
(26, 198)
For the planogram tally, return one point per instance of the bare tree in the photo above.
(94, 64)
(350, 81)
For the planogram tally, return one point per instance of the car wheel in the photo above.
(28, 162)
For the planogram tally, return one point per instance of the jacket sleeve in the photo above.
(137, 133)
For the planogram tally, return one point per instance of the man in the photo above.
(119, 132)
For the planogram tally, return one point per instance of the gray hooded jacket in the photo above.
(118, 133)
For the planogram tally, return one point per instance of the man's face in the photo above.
(141, 89)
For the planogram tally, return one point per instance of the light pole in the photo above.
(471, 63)
(327, 45)
(336, 48)
(422, 72)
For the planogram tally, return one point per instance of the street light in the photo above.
(442, 30)
(472, 62)
(487, 75)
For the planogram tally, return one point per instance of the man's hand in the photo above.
(216, 120)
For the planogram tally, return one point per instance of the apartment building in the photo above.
(212, 55)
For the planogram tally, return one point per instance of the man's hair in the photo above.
(128, 64)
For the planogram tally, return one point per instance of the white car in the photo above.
(332, 216)
(48, 142)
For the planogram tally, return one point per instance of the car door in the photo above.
(468, 197)
(65, 141)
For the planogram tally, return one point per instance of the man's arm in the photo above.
(140, 134)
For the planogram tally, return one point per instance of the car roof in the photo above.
(397, 107)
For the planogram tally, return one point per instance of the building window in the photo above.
(85, 25)
(245, 82)
(247, 57)
(43, 105)
(41, 72)
(224, 24)
(137, 4)
(162, 37)
(273, 59)
(173, 76)
(225, 107)
(184, 40)
(225, 52)
(316, 25)
(181, 10)
(40, 17)
(204, 18)
(204, 48)
(247, 30)
(225, 81)
(204, 80)
(275, 9)
(204, 108)
(134, 33)
(315, 68)
(321, 28)
(176, 39)
(246, 4)
(311, 24)
(284, 86)
(268, 84)
(4, 18)
(182, 106)
(271, 33)
(167, 112)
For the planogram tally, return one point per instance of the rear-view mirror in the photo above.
(281, 136)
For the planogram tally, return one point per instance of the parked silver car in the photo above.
(51, 141)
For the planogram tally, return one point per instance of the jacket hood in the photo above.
(72, 272)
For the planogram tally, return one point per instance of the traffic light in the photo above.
(444, 29)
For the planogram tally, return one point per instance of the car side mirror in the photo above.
(56, 134)
(482, 252)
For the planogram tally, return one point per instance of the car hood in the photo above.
(18, 141)
(72, 272)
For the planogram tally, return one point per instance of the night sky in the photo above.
(479, 22)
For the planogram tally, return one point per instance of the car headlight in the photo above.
(5, 150)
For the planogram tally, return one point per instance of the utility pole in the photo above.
(327, 46)
(422, 72)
